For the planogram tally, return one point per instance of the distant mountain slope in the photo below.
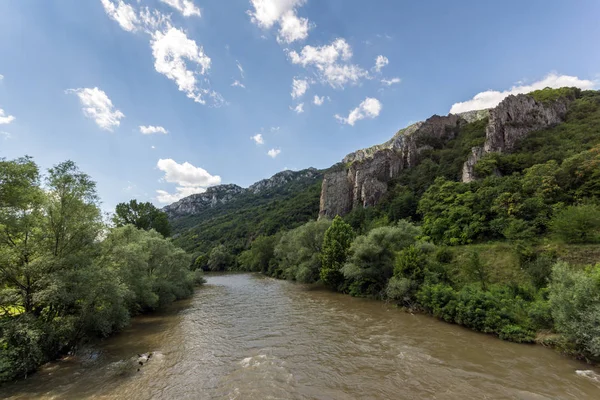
(233, 215)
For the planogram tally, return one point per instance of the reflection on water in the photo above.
(249, 337)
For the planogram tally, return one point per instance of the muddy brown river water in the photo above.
(249, 337)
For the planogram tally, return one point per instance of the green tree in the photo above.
(260, 254)
(578, 224)
(220, 259)
(574, 300)
(371, 261)
(298, 253)
(336, 243)
(143, 216)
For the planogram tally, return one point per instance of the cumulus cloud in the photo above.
(491, 98)
(390, 82)
(171, 49)
(267, 13)
(186, 7)
(273, 153)
(5, 119)
(319, 100)
(123, 13)
(292, 28)
(380, 62)
(97, 106)
(1, 77)
(258, 138)
(176, 56)
(189, 180)
(149, 130)
(369, 108)
(237, 83)
(331, 63)
(299, 87)
(299, 109)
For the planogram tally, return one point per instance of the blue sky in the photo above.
(80, 78)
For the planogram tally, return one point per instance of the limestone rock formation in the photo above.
(514, 118)
(363, 176)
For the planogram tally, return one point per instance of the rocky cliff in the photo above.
(282, 178)
(362, 178)
(510, 121)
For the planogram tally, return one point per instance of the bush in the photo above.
(574, 300)
(578, 224)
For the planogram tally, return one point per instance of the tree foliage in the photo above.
(142, 215)
(336, 244)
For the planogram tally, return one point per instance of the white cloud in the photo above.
(258, 138)
(189, 180)
(331, 62)
(390, 82)
(153, 20)
(275, 128)
(97, 106)
(167, 198)
(269, 12)
(240, 68)
(176, 56)
(299, 109)
(273, 153)
(491, 98)
(381, 62)
(149, 130)
(171, 49)
(186, 7)
(238, 84)
(123, 13)
(6, 135)
(320, 100)
(153, 147)
(369, 108)
(1, 77)
(292, 28)
(5, 119)
(299, 87)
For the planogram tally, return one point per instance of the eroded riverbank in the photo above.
(249, 337)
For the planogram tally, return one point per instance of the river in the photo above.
(244, 336)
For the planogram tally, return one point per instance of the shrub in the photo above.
(578, 224)
(574, 300)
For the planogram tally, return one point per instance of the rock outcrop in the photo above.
(514, 118)
(363, 176)
(196, 203)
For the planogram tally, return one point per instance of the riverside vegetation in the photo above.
(512, 253)
(65, 275)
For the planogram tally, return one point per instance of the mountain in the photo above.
(389, 180)
(234, 215)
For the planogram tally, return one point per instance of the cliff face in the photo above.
(363, 177)
(510, 121)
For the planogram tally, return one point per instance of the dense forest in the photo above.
(514, 253)
(66, 276)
